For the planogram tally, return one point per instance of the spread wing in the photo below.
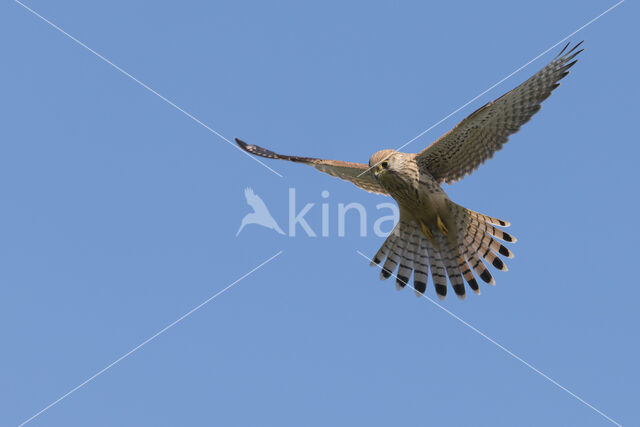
(476, 138)
(345, 170)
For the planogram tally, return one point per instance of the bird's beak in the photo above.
(377, 170)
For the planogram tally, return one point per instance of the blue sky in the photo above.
(119, 215)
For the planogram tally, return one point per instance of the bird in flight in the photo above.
(433, 233)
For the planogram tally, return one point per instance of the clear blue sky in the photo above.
(119, 215)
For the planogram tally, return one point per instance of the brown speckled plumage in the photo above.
(434, 234)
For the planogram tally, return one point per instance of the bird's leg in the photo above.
(443, 228)
(425, 230)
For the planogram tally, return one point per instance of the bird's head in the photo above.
(384, 161)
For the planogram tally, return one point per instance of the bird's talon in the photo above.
(425, 230)
(442, 227)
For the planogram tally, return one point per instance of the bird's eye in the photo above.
(385, 164)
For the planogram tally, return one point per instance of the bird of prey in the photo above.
(433, 233)
(260, 214)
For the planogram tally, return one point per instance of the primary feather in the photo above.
(434, 235)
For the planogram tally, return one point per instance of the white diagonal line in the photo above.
(165, 99)
(510, 75)
(502, 80)
(145, 342)
(509, 352)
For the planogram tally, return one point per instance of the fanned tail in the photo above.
(456, 259)
(407, 261)
(450, 253)
(475, 233)
(437, 270)
(421, 268)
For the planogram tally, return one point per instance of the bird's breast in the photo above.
(421, 197)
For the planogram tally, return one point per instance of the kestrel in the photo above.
(433, 232)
